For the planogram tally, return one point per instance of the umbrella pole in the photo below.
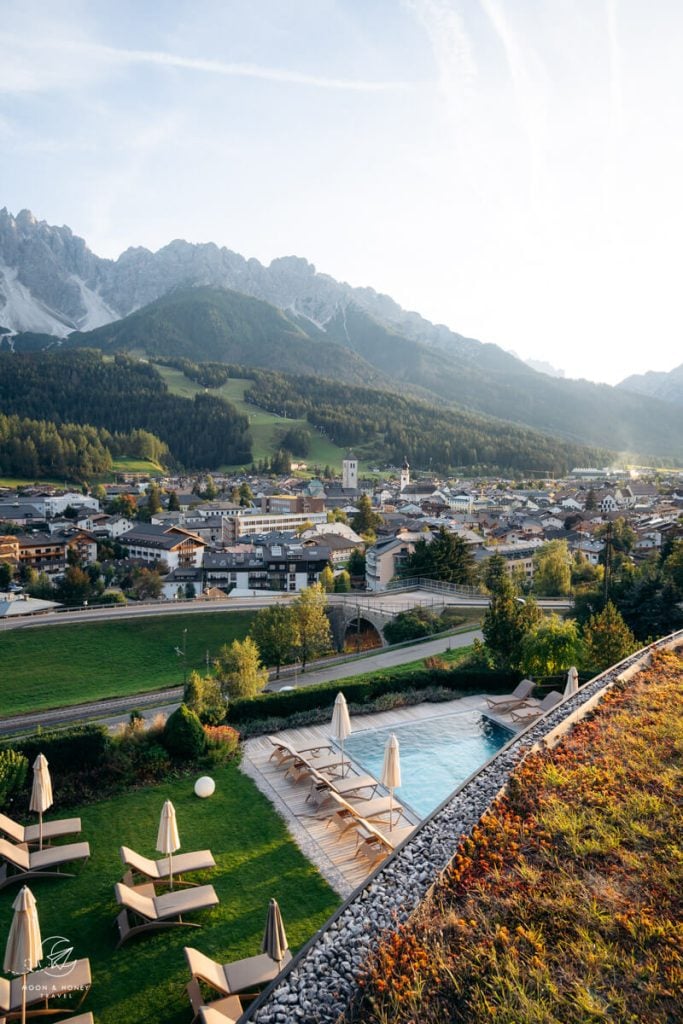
(343, 766)
(170, 871)
(23, 999)
(40, 830)
(391, 808)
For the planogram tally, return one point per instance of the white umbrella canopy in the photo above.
(572, 685)
(391, 772)
(341, 723)
(24, 946)
(274, 939)
(41, 792)
(168, 840)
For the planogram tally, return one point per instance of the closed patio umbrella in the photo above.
(24, 946)
(41, 792)
(168, 840)
(274, 938)
(341, 723)
(572, 686)
(391, 772)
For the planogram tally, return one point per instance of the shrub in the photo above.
(83, 746)
(203, 696)
(363, 691)
(435, 662)
(152, 762)
(13, 771)
(222, 744)
(183, 735)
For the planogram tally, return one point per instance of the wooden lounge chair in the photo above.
(528, 712)
(284, 752)
(224, 1010)
(345, 814)
(31, 833)
(376, 845)
(240, 975)
(158, 870)
(217, 1013)
(56, 983)
(154, 912)
(18, 865)
(303, 768)
(521, 692)
(352, 784)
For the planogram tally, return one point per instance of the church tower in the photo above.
(350, 473)
(405, 473)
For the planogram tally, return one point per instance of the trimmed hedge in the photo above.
(308, 698)
(84, 746)
(13, 772)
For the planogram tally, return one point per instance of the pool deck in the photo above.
(334, 854)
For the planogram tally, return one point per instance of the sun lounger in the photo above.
(376, 845)
(154, 912)
(528, 712)
(322, 787)
(345, 814)
(18, 865)
(284, 752)
(218, 1012)
(224, 1010)
(158, 870)
(521, 692)
(240, 975)
(31, 833)
(303, 768)
(56, 982)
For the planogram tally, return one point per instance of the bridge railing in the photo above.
(436, 586)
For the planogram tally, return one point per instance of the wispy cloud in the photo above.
(453, 51)
(31, 81)
(528, 81)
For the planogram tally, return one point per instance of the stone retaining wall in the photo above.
(320, 982)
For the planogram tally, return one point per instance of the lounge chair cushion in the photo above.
(31, 833)
(202, 966)
(253, 971)
(54, 855)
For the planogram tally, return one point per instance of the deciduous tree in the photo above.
(315, 636)
(238, 669)
(552, 569)
(276, 634)
(549, 647)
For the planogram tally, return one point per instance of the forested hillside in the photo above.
(387, 427)
(123, 395)
(70, 451)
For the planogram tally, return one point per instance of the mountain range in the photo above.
(666, 386)
(203, 302)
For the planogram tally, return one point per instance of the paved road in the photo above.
(387, 659)
(115, 710)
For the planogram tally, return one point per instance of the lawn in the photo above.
(564, 905)
(128, 464)
(265, 427)
(56, 666)
(144, 981)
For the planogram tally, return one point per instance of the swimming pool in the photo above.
(437, 754)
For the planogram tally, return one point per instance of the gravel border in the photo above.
(320, 982)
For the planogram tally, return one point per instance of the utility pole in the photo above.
(608, 562)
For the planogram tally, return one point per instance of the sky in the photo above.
(510, 168)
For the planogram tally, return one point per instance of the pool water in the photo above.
(437, 754)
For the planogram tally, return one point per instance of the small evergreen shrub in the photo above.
(183, 735)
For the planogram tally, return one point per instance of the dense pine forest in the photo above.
(120, 395)
(387, 427)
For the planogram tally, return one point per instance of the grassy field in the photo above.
(55, 666)
(265, 427)
(144, 981)
(126, 464)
